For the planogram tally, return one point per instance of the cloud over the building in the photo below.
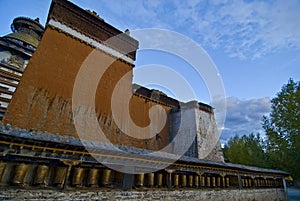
(244, 116)
(243, 29)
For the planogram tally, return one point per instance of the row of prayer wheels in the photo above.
(43, 175)
(180, 180)
(91, 177)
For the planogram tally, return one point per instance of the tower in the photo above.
(16, 49)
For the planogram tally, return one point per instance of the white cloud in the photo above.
(244, 116)
(244, 29)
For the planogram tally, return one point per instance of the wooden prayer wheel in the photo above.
(150, 179)
(92, 179)
(227, 182)
(203, 181)
(243, 183)
(106, 177)
(139, 180)
(2, 169)
(196, 181)
(219, 181)
(176, 180)
(190, 181)
(208, 181)
(20, 173)
(159, 179)
(40, 174)
(77, 176)
(59, 176)
(246, 183)
(213, 181)
(223, 181)
(183, 180)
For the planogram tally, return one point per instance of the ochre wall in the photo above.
(43, 99)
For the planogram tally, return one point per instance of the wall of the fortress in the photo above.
(208, 139)
(43, 99)
(216, 195)
(200, 131)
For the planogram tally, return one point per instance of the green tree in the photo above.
(282, 128)
(247, 150)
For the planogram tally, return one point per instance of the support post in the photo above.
(240, 181)
(128, 181)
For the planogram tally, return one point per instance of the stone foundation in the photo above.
(216, 195)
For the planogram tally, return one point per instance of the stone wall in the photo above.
(199, 129)
(216, 195)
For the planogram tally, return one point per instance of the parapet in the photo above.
(71, 18)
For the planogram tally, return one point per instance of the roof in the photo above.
(34, 25)
(123, 151)
(24, 37)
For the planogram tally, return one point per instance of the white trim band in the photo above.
(90, 41)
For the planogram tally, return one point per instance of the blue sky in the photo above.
(254, 44)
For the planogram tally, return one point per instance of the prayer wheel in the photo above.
(219, 181)
(258, 182)
(159, 177)
(150, 178)
(196, 181)
(203, 181)
(92, 179)
(41, 174)
(106, 177)
(208, 181)
(20, 173)
(59, 177)
(139, 180)
(190, 181)
(176, 180)
(183, 180)
(2, 169)
(223, 181)
(213, 181)
(227, 182)
(77, 176)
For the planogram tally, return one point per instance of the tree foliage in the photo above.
(281, 148)
(247, 150)
(282, 128)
